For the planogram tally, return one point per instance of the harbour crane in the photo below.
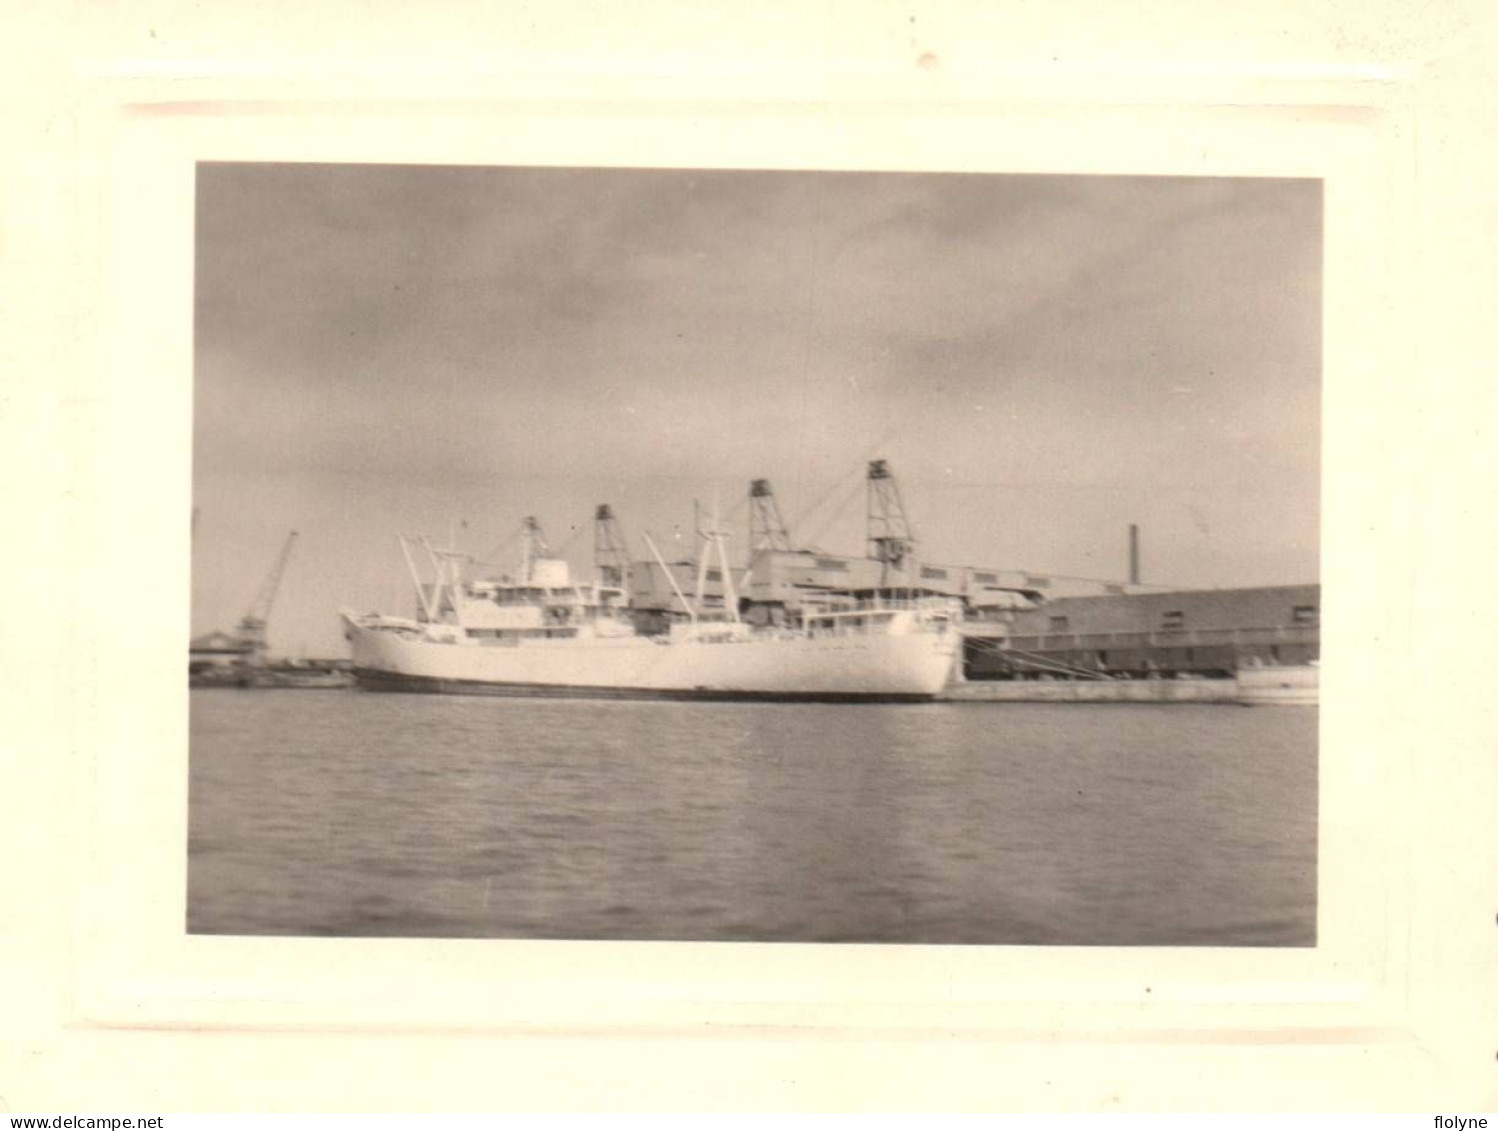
(610, 552)
(767, 530)
(251, 629)
(891, 536)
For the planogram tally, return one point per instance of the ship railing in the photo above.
(857, 605)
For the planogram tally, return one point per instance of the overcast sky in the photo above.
(1043, 360)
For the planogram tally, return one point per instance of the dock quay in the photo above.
(1093, 691)
(1253, 685)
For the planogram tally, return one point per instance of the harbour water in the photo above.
(354, 814)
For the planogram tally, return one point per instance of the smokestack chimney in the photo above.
(1133, 554)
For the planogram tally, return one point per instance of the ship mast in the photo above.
(715, 543)
(730, 595)
(532, 546)
(447, 565)
(671, 579)
(427, 604)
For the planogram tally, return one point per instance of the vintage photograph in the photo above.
(755, 556)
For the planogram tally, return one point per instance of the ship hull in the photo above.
(372, 680)
(833, 669)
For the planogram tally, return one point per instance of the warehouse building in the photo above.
(1192, 633)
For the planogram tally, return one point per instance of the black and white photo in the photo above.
(755, 556)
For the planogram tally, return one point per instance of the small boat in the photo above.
(1287, 685)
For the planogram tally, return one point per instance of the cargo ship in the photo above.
(537, 633)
